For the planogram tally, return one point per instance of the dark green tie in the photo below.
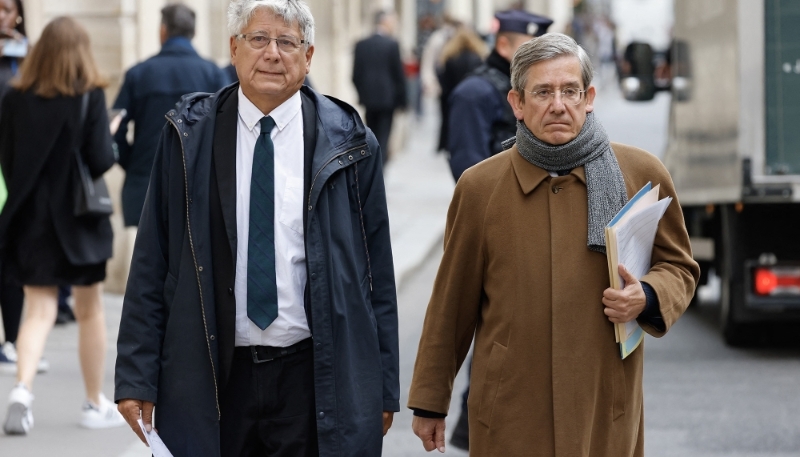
(262, 290)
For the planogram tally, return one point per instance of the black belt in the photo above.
(261, 354)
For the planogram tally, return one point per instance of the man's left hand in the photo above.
(388, 417)
(624, 305)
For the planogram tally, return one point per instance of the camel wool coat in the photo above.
(547, 377)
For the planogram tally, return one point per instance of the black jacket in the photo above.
(151, 88)
(36, 152)
(175, 339)
(482, 118)
(378, 74)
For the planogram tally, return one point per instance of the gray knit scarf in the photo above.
(604, 181)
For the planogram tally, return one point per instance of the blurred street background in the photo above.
(709, 391)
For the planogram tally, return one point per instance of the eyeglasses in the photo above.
(260, 40)
(569, 96)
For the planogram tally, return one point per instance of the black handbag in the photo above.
(91, 194)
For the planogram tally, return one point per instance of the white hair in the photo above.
(240, 12)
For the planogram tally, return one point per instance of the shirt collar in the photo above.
(282, 114)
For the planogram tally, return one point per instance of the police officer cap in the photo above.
(522, 22)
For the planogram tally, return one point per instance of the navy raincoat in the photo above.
(168, 349)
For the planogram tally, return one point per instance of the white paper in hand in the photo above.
(157, 447)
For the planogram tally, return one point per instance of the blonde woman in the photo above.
(48, 246)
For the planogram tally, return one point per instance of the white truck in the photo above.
(734, 150)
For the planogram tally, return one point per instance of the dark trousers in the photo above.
(11, 299)
(380, 121)
(267, 408)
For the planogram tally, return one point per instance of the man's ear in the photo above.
(590, 94)
(517, 103)
(309, 55)
(503, 46)
(233, 50)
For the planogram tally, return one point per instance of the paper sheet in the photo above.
(157, 447)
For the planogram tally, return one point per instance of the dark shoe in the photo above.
(460, 436)
(64, 315)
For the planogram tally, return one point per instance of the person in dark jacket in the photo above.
(55, 109)
(378, 77)
(485, 118)
(461, 55)
(12, 31)
(150, 89)
(263, 258)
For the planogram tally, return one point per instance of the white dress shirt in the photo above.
(291, 324)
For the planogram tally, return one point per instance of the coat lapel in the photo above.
(225, 164)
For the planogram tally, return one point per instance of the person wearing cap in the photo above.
(525, 272)
(482, 117)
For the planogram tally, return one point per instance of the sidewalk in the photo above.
(419, 187)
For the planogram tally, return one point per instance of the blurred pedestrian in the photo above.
(461, 55)
(14, 47)
(152, 88)
(379, 78)
(484, 118)
(525, 271)
(430, 66)
(286, 213)
(42, 127)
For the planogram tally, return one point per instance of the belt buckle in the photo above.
(254, 353)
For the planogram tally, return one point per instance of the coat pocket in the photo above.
(491, 383)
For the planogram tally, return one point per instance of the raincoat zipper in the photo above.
(196, 268)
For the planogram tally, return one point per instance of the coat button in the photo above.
(212, 338)
(230, 290)
(556, 189)
(313, 276)
(185, 134)
(350, 157)
(309, 207)
(341, 163)
(363, 152)
(321, 415)
(200, 268)
(180, 121)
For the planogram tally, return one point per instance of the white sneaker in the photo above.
(8, 360)
(19, 420)
(104, 415)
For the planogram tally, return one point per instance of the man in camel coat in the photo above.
(525, 271)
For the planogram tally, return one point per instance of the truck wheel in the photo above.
(734, 333)
(732, 278)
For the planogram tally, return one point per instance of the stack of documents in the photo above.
(629, 242)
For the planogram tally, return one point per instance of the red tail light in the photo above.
(777, 280)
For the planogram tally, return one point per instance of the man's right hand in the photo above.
(430, 431)
(132, 410)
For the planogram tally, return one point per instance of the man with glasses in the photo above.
(260, 316)
(525, 271)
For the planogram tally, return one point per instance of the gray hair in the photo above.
(546, 47)
(240, 12)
